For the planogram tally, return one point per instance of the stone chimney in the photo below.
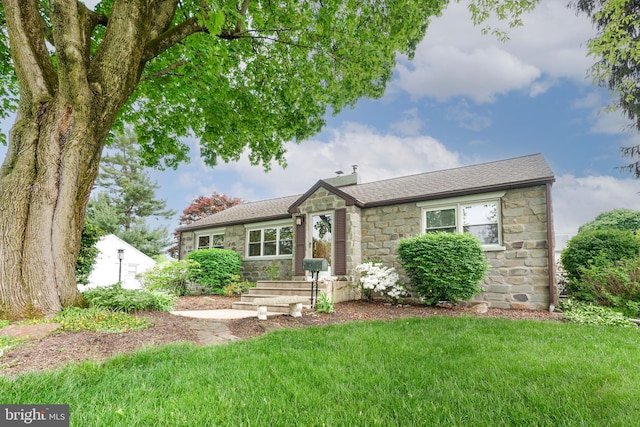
(344, 180)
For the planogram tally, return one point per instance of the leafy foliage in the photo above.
(116, 298)
(584, 248)
(443, 266)
(618, 219)
(218, 267)
(203, 206)
(325, 304)
(617, 50)
(580, 312)
(612, 284)
(237, 288)
(88, 253)
(173, 276)
(128, 198)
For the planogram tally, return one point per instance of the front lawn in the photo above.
(432, 371)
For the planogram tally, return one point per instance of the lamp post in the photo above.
(120, 258)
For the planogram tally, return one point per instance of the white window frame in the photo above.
(210, 233)
(278, 225)
(458, 203)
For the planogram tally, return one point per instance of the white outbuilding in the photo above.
(118, 261)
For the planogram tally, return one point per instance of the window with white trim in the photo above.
(270, 241)
(210, 241)
(479, 216)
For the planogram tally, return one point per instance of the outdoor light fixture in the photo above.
(120, 258)
(299, 220)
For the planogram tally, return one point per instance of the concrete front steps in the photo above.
(271, 289)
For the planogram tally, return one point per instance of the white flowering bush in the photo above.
(376, 278)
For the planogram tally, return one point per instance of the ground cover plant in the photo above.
(432, 371)
(117, 298)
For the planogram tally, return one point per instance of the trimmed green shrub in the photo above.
(612, 284)
(606, 245)
(116, 298)
(217, 267)
(172, 276)
(444, 266)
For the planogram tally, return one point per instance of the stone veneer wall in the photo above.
(323, 200)
(383, 227)
(518, 275)
(252, 269)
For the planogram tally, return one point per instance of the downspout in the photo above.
(550, 251)
(179, 246)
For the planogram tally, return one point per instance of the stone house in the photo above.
(506, 204)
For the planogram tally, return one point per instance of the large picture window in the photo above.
(270, 241)
(478, 216)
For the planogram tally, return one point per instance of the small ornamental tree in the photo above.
(202, 207)
(216, 267)
(443, 266)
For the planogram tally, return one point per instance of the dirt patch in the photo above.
(60, 348)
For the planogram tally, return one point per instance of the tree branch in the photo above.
(166, 70)
(36, 75)
(89, 20)
(172, 37)
(243, 12)
(70, 50)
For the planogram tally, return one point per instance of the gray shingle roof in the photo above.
(247, 212)
(484, 177)
(498, 175)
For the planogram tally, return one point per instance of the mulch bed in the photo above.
(60, 348)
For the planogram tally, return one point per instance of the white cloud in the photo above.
(468, 119)
(579, 200)
(455, 59)
(410, 125)
(481, 74)
(378, 156)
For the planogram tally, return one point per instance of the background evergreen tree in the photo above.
(125, 198)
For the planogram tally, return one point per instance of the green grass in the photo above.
(417, 372)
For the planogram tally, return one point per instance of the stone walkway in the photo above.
(210, 326)
(211, 332)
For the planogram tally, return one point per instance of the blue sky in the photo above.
(466, 98)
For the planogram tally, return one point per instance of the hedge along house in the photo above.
(506, 204)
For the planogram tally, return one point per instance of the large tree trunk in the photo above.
(45, 183)
(67, 107)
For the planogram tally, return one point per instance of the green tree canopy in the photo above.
(617, 219)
